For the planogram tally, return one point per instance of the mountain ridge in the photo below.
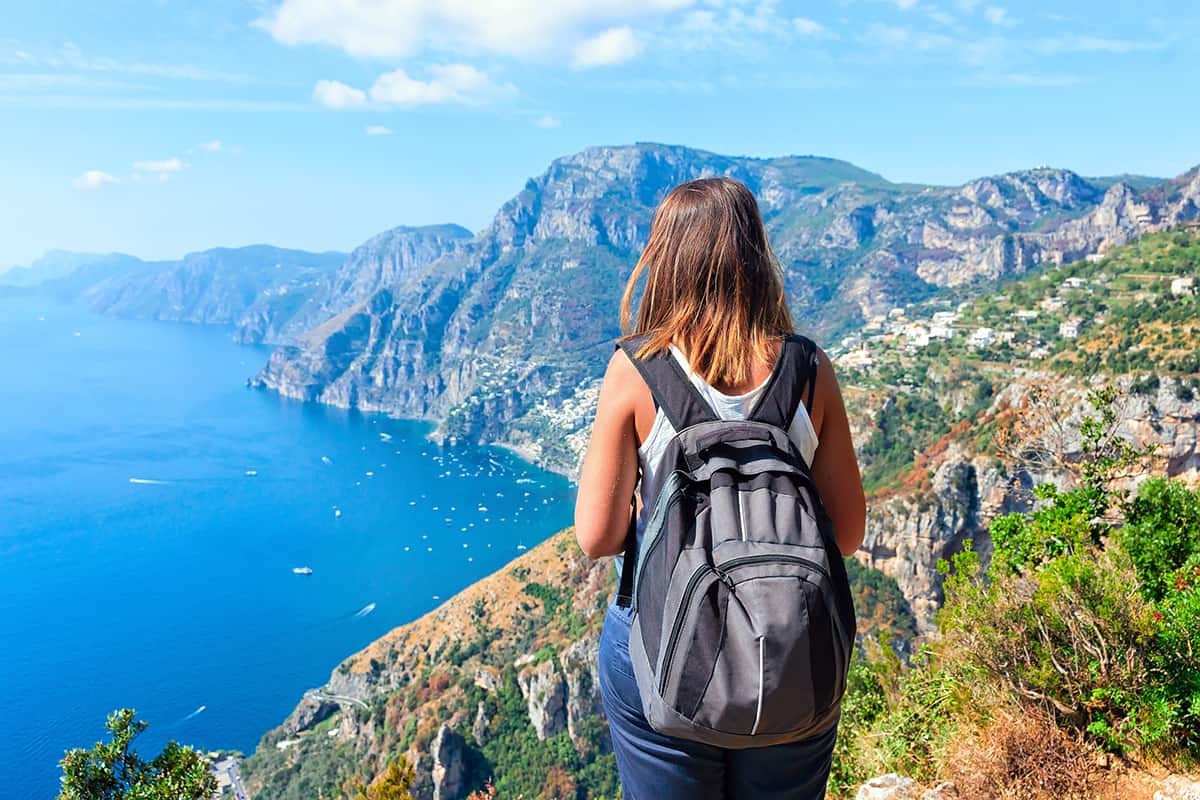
(850, 250)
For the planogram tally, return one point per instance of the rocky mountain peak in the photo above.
(1025, 194)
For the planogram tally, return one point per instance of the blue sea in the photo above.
(152, 509)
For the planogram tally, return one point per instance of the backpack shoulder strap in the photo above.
(673, 391)
(793, 379)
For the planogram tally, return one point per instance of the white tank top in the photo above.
(725, 406)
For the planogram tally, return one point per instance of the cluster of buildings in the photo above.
(861, 351)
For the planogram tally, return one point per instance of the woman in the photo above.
(714, 298)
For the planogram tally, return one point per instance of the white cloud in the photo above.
(547, 121)
(211, 147)
(161, 167)
(905, 5)
(1021, 80)
(335, 94)
(998, 16)
(92, 179)
(449, 83)
(613, 46)
(378, 130)
(895, 37)
(1090, 44)
(392, 29)
(810, 27)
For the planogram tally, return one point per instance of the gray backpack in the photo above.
(743, 623)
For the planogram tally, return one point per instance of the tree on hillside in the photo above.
(393, 785)
(113, 771)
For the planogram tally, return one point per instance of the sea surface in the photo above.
(152, 509)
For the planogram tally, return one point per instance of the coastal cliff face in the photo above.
(505, 338)
(217, 286)
(267, 294)
(381, 261)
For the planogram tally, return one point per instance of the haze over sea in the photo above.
(178, 593)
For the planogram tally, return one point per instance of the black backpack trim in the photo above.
(795, 370)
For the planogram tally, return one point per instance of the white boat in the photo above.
(302, 570)
(250, 473)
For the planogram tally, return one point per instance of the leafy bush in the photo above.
(1105, 638)
(1176, 662)
(113, 771)
(1023, 541)
(1161, 532)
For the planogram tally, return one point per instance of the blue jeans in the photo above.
(653, 766)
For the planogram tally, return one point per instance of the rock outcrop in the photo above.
(310, 712)
(447, 765)
(579, 666)
(545, 691)
(908, 533)
(898, 787)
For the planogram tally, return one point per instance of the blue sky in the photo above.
(156, 128)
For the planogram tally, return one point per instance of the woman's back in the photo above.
(713, 297)
(653, 443)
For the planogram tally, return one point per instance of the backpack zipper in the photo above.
(676, 629)
(772, 559)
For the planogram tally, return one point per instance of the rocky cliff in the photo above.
(216, 286)
(381, 261)
(504, 339)
(929, 413)
(909, 531)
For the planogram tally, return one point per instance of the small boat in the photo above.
(302, 570)
(387, 437)
(251, 473)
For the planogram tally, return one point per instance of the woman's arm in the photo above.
(835, 465)
(610, 467)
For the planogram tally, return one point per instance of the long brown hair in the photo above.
(713, 285)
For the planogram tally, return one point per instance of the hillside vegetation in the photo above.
(929, 372)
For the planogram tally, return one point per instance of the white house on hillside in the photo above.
(982, 337)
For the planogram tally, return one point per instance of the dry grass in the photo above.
(1022, 755)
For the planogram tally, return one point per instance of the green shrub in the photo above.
(1176, 662)
(1065, 525)
(1161, 532)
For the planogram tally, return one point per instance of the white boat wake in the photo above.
(149, 482)
(367, 609)
(194, 714)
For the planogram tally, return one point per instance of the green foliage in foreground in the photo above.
(113, 770)
(1102, 639)
(1091, 630)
